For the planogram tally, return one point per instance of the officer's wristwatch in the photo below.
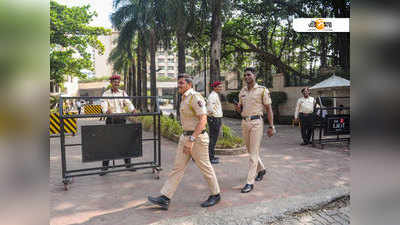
(191, 138)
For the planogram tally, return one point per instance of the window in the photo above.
(171, 60)
(170, 68)
(160, 60)
(171, 74)
(161, 74)
(161, 67)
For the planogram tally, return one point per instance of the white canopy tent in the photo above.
(333, 83)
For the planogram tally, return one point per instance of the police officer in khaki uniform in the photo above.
(304, 111)
(253, 99)
(192, 144)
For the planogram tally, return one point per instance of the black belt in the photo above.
(190, 132)
(252, 117)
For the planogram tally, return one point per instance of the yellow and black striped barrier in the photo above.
(92, 109)
(55, 124)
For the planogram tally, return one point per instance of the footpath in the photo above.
(303, 185)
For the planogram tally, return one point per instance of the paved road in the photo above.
(294, 171)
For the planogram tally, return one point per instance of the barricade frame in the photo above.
(155, 164)
(321, 123)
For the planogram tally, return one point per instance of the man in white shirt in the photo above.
(78, 106)
(304, 111)
(214, 110)
(111, 106)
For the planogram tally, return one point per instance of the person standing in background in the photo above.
(304, 112)
(214, 118)
(110, 106)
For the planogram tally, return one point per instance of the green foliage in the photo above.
(278, 97)
(233, 96)
(166, 79)
(94, 79)
(262, 34)
(228, 140)
(70, 38)
(171, 127)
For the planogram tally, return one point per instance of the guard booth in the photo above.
(82, 155)
(331, 123)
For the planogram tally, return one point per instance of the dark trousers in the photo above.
(214, 125)
(306, 121)
(116, 120)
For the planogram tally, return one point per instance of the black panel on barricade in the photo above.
(337, 124)
(111, 141)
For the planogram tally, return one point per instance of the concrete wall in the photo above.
(293, 93)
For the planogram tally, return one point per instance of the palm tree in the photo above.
(124, 63)
(147, 20)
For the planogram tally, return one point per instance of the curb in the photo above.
(218, 151)
(263, 212)
(231, 151)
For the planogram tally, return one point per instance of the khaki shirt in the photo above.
(192, 106)
(116, 105)
(253, 101)
(304, 105)
(214, 107)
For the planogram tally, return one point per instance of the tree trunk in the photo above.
(180, 36)
(323, 47)
(343, 39)
(144, 79)
(153, 84)
(301, 62)
(133, 81)
(139, 74)
(126, 79)
(216, 36)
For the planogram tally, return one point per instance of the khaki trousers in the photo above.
(252, 131)
(200, 155)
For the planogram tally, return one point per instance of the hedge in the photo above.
(171, 127)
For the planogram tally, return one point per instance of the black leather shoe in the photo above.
(260, 175)
(162, 201)
(247, 188)
(214, 160)
(304, 143)
(212, 200)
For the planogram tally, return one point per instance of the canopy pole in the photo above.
(334, 101)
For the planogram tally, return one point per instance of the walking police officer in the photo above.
(192, 144)
(253, 99)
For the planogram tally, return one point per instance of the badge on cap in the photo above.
(200, 103)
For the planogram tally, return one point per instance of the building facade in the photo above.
(166, 60)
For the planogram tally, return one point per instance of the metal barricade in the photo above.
(332, 123)
(111, 141)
